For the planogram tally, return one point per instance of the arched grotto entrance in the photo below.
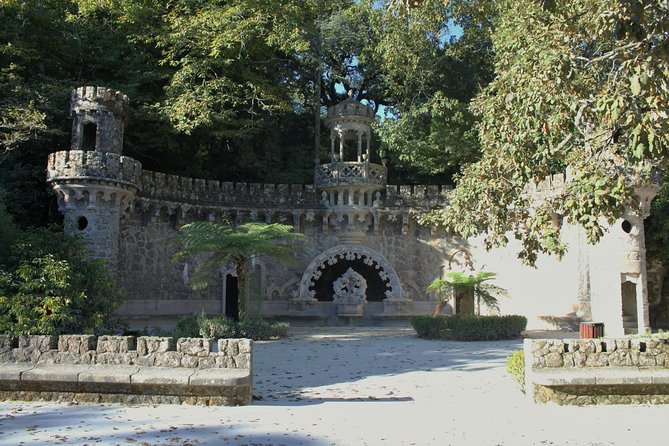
(318, 280)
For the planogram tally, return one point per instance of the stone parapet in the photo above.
(97, 97)
(120, 350)
(177, 189)
(597, 371)
(93, 166)
(107, 369)
(418, 196)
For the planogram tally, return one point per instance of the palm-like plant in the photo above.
(457, 281)
(222, 244)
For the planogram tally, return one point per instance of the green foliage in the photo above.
(50, 285)
(430, 327)
(45, 294)
(581, 84)
(515, 366)
(469, 328)
(205, 326)
(224, 244)
(463, 282)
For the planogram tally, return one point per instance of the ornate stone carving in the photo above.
(333, 255)
(350, 288)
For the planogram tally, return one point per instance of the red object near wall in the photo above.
(591, 330)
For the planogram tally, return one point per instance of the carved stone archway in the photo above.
(347, 253)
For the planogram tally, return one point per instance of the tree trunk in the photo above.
(439, 308)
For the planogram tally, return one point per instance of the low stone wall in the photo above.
(126, 369)
(597, 371)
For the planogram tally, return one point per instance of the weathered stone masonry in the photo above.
(125, 369)
(597, 371)
(353, 220)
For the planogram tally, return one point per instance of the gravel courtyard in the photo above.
(351, 386)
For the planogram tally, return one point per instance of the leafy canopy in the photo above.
(582, 85)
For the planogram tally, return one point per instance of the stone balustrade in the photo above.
(125, 369)
(596, 371)
(350, 173)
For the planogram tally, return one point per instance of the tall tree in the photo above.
(579, 84)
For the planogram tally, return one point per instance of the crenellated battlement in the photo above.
(86, 98)
(93, 165)
(420, 196)
(177, 189)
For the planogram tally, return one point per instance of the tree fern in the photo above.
(221, 245)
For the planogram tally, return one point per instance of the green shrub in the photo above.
(223, 327)
(463, 327)
(515, 366)
(481, 328)
(429, 327)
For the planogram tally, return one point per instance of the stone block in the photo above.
(554, 359)
(168, 359)
(54, 372)
(115, 344)
(40, 343)
(162, 375)
(13, 371)
(623, 344)
(646, 360)
(7, 343)
(579, 359)
(116, 358)
(108, 374)
(147, 360)
(154, 344)
(619, 358)
(194, 346)
(586, 346)
(242, 362)
(206, 362)
(220, 377)
(75, 358)
(568, 359)
(76, 343)
(225, 361)
(231, 348)
(245, 346)
(50, 357)
(190, 361)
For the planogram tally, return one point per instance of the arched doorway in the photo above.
(231, 300)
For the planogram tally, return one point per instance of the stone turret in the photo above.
(350, 186)
(95, 185)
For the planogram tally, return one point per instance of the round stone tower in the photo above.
(95, 185)
(351, 186)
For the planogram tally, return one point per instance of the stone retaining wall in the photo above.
(127, 350)
(597, 371)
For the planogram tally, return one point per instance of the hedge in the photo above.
(469, 328)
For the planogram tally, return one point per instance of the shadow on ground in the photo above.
(309, 369)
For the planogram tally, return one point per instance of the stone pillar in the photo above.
(359, 146)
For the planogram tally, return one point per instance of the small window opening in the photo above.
(627, 226)
(82, 223)
(89, 137)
